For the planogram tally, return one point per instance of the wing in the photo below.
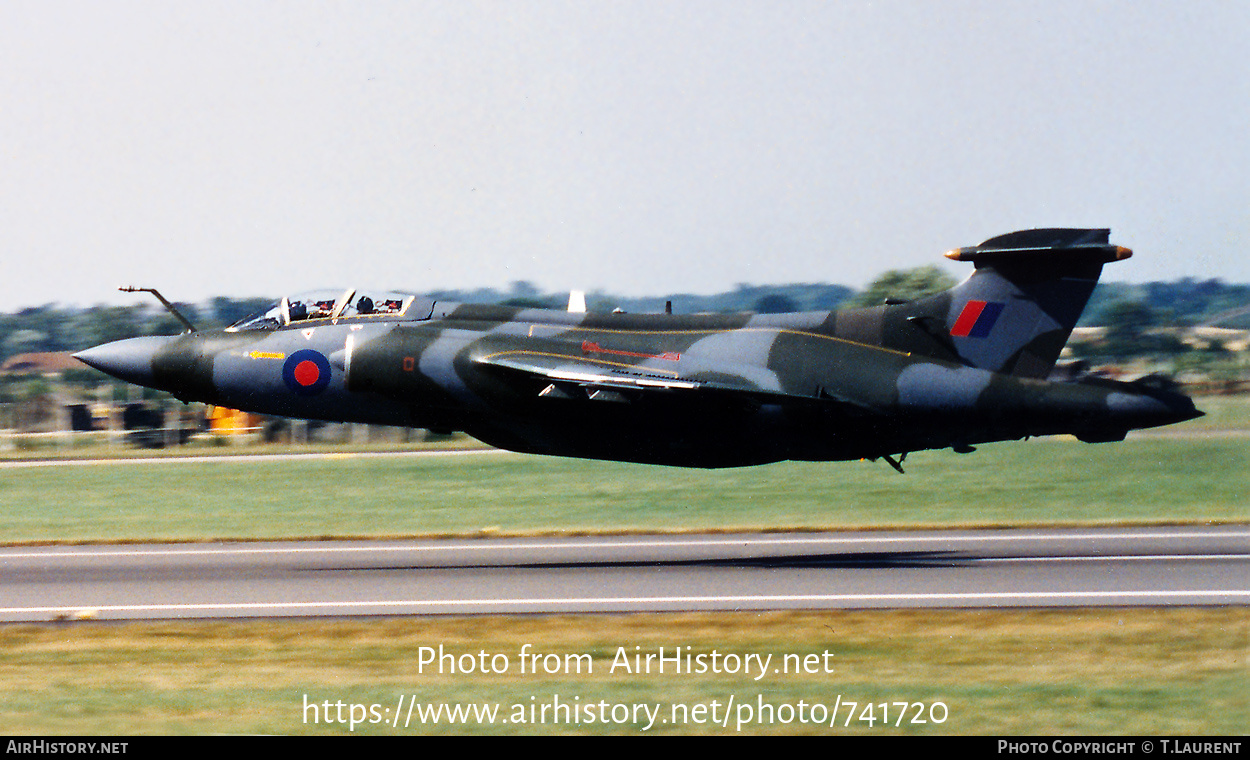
(559, 376)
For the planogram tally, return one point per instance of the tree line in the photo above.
(1127, 308)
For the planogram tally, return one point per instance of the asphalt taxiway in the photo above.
(1077, 567)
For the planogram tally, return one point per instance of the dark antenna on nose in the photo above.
(168, 305)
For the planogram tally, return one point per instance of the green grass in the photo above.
(44, 446)
(1029, 483)
(1223, 413)
(1122, 672)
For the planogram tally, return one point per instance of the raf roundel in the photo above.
(306, 372)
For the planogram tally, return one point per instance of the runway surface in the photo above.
(967, 569)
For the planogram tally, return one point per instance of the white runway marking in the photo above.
(982, 568)
(1127, 597)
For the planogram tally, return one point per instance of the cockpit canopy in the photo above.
(321, 306)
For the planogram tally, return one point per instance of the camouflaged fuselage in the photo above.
(702, 390)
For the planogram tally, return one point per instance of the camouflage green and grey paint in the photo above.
(704, 390)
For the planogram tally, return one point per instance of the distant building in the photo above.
(1201, 337)
(50, 363)
(1204, 337)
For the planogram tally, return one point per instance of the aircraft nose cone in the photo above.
(129, 359)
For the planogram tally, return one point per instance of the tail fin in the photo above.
(1016, 311)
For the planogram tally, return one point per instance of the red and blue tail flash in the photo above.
(977, 319)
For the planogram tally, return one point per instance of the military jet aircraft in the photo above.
(964, 367)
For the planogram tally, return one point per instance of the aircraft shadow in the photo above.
(855, 560)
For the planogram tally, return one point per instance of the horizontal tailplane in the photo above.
(1017, 310)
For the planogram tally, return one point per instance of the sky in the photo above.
(640, 147)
